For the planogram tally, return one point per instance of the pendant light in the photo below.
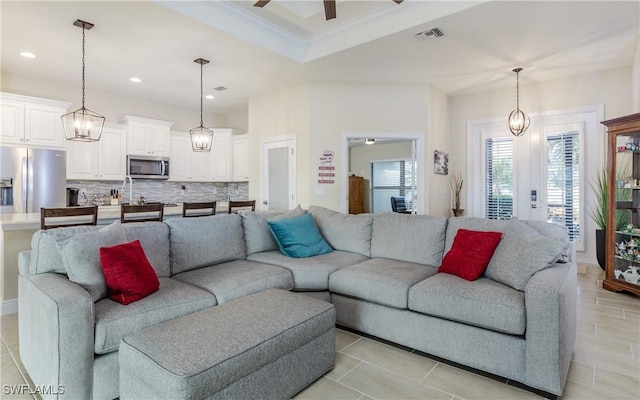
(201, 136)
(83, 125)
(518, 120)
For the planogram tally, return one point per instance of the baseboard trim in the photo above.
(10, 307)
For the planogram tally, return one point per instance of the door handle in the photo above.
(265, 202)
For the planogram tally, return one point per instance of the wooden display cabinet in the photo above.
(356, 195)
(623, 246)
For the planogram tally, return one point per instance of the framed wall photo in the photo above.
(440, 162)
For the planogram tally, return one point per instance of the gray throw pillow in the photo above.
(344, 232)
(80, 254)
(521, 253)
(257, 235)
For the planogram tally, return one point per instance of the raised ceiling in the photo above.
(256, 50)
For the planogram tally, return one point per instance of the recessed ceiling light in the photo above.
(27, 54)
(210, 97)
(135, 79)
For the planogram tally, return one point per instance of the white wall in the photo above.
(612, 88)
(636, 80)
(239, 120)
(111, 105)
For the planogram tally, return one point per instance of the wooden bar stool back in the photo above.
(200, 209)
(70, 216)
(242, 205)
(141, 213)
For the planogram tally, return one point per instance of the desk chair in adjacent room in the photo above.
(399, 205)
(198, 209)
(242, 205)
(141, 213)
(71, 214)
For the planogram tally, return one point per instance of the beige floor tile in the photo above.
(9, 329)
(606, 360)
(14, 349)
(586, 328)
(365, 397)
(635, 349)
(344, 364)
(581, 373)
(600, 310)
(607, 320)
(10, 376)
(632, 316)
(4, 351)
(613, 332)
(627, 302)
(401, 362)
(381, 384)
(325, 388)
(468, 385)
(576, 391)
(344, 339)
(619, 347)
(616, 382)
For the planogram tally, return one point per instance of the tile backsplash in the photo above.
(165, 191)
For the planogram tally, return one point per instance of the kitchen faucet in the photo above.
(124, 182)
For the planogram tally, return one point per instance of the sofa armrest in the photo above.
(56, 325)
(550, 299)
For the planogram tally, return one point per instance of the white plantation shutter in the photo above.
(390, 178)
(563, 181)
(498, 166)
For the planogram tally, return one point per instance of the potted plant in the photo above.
(456, 190)
(599, 212)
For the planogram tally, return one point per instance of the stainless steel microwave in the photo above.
(148, 167)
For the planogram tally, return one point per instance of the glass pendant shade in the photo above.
(83, 124)
(518, 121)
(201, 136)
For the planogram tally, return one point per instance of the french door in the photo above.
(539, 176)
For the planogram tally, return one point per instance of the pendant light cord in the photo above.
(83, 66)
(201, 92)
(518, 90)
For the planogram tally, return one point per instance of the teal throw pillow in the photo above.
(299, 237)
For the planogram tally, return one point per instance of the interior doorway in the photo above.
(278, 187)
(405, 150)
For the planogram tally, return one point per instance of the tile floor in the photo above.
(606, 360)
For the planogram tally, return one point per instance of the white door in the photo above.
(278, 188)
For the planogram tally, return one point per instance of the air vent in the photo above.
(220, 88)
(431, 34)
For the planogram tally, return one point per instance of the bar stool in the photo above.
(72, 213)
(242, 204)
(208, 206)
(146, 212)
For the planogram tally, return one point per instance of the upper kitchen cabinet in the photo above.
(147, 137)
(222, 154)
(240, 154)
(188, 165)
(102, 160)
(31, 121)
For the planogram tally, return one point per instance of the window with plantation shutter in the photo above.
(391, 178)
(563, 181)
(498, 166)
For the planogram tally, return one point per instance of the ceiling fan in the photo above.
(329, 7)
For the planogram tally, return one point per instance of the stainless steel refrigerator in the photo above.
(31, 178)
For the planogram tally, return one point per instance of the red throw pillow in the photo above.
(129, 275)
(470, 253)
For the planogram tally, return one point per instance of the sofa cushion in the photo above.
(380, 280)
(234, 279)
(128, 273)
(80, 255)
(411, 238)
(311, 273)
(470, 253)
(344, 231)
(557, 231)
(203, 241)
(299, 237)
(154, 237)
(257, 235)
(173, 299)
(484, 302)
(522, 252)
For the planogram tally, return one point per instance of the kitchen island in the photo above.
(16, 231)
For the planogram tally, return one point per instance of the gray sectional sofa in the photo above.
(517, 321)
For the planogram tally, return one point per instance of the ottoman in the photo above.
(269, 345)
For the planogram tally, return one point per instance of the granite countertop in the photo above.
(106, 215)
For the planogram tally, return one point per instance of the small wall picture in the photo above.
(440, 162)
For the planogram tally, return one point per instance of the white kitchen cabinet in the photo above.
(188, 165)
(241, 159)
(102, 160)
(31, 121)
(221, 166)
(147, 137)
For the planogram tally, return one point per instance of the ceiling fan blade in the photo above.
(330, 9)
(261, 3)
(398, 1)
